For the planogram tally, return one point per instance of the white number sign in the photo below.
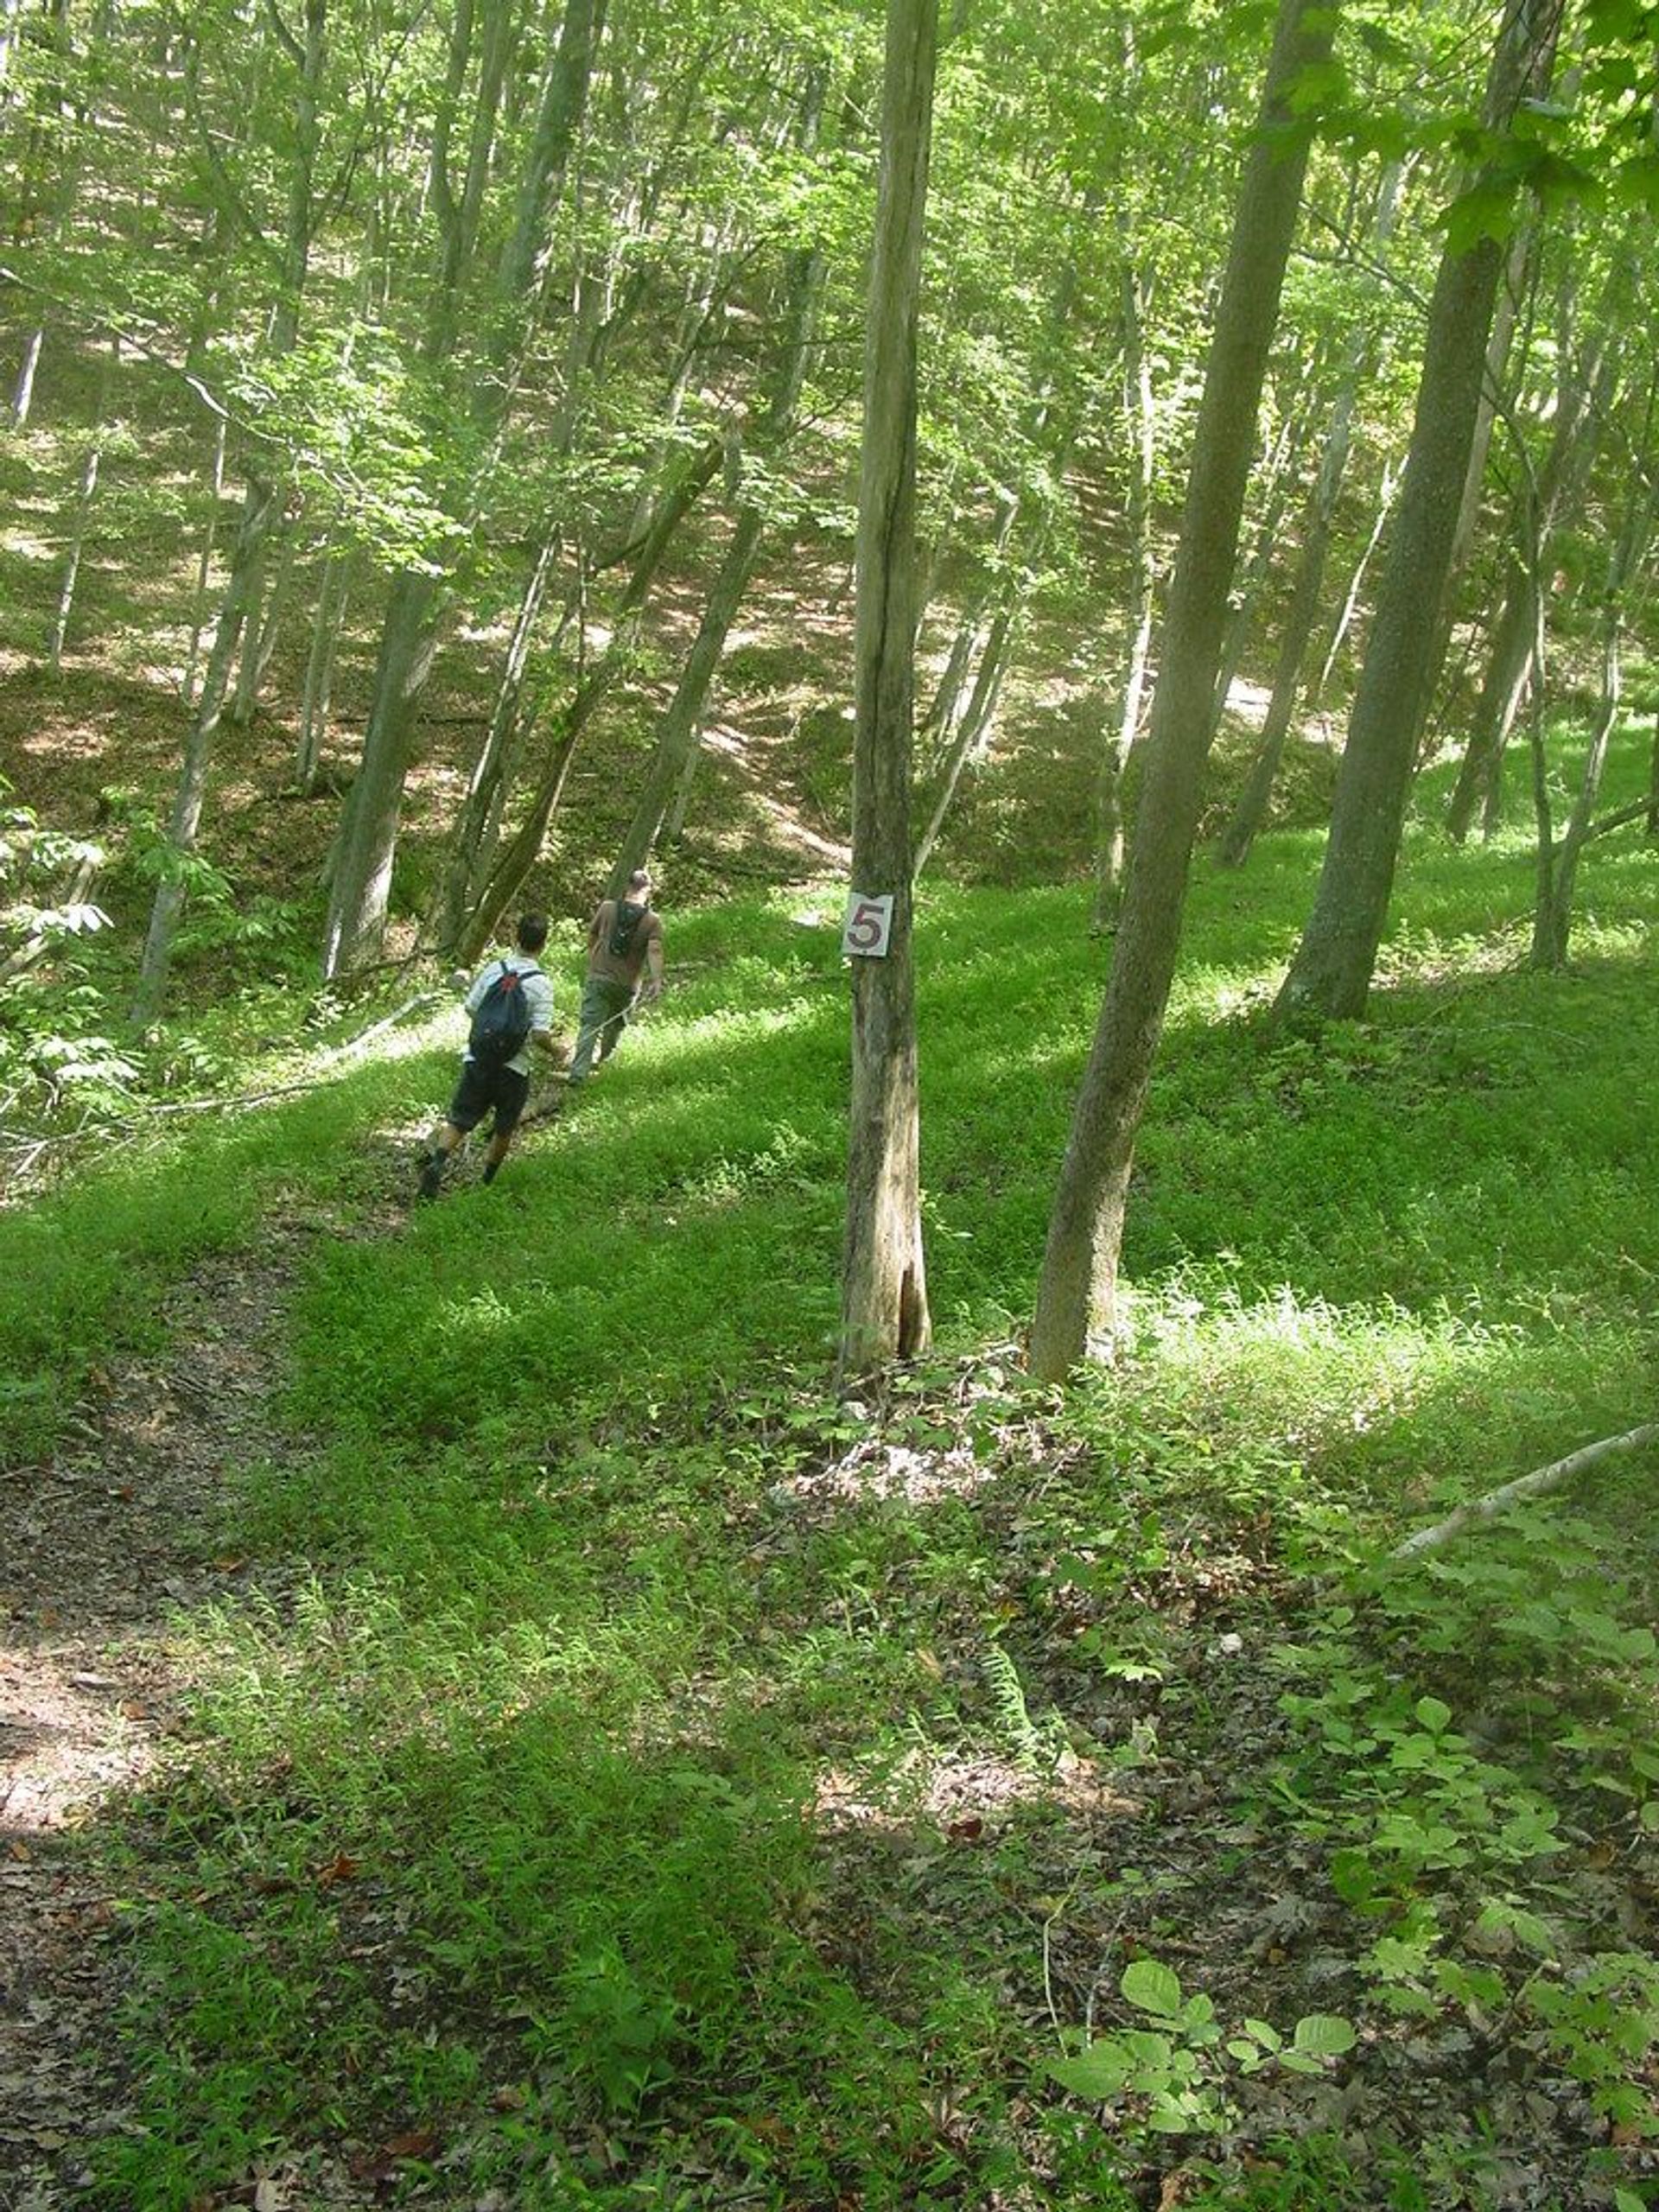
(868, 926)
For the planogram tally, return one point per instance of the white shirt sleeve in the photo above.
(538, 996)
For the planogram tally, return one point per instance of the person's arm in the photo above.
(594, 929)
(540, 994)
(653, 989)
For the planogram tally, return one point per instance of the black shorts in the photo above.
(481, 1088)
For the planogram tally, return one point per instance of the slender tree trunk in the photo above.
(84, 504)
(1249, 583)
(260, 632)
(261, 515)
(481, 813)
(1077, 1297)
(1558, 870)
(512, 868)
(676, 734)
(1583, 400)
(884, 1313)
(1250, 809)
(680, 805)
(362, 880)
(1140, 413)
(191, 791)
(1653, 784)
(22, 390)
(1387, 492)
(1518, 283)
(1330, 974)
(205, 564)
(334, 595)
(972, 731)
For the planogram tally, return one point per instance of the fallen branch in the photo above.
(1532, 1485)
(419, 1004)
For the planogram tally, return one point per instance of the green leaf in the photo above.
(1151, 1988)
(1096, 2074)
(1325, 2035)
(1299, 2062)
(1265, 2033)
(1434, 1715)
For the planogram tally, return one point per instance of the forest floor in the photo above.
(108, 1544)
(103, 1544)
(120, 1531)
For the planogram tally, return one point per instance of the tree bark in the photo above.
(333, 594)
(1554, 1477)
(884, 1313)
(191, 791)
(512, 868)
(1582, 401)
(1558, 868)
(1077, 1296)
(1331, 973)
(1250, 809)
(362, 877)
(1140, 413)
(677, 736)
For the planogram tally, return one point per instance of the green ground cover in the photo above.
(651, 1781)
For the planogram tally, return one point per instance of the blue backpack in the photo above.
(502, 1022)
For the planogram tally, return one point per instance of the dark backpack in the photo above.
(502, 1021)
(625, 927)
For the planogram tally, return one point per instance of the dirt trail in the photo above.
(100, 1546)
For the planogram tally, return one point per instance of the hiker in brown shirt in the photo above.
(625, 944)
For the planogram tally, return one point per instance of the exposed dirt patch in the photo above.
(103, 1543)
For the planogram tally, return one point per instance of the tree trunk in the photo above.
(676, 737)
(1250, 578)
(512, 869)
(260, 632)
(1077, 1296)
(1519, 281)
(884, 1313)
(22, 391)
(676, 734)
(470, 843)
(261, 513)
(257, 515)
(205, 563)
(333, 594)
(1583, 400)
(1330, 974)
(362, 878)
(1558, 870)
(84, 501)
(1387, 492)
(1250, 809)
(972, 733)
(1140, 413)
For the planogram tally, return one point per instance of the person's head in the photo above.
(532, 933)
(640, 887)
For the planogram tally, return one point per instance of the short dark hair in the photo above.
(532, 933)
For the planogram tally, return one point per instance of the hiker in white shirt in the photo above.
(511, 1002)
